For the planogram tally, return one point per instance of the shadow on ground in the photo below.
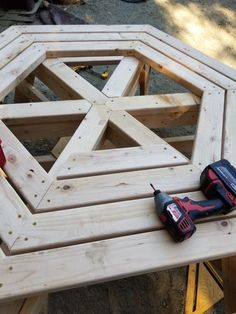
(209, 26)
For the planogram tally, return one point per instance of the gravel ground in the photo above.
(209, 26)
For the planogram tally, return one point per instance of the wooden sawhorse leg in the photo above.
(33, 305)
(229, 282)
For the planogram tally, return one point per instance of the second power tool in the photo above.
(218, 183)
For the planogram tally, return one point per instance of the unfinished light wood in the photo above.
(67, 83)
(87, 137)
(123, 78)
(229, 151)
(27, 92)
(110, 161)
(23, 170)
(92, 208)
(228, 269)
(118, 187)
(86, 61)
(144, 80)
(20, 68)
(207, 146)
(103, 261)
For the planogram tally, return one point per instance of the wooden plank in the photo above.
(80, 37)
(61, 144)
(85, 49)
(189, 62)
(171, 41)
(20, 96)
(11, 209)
(86, 138)
(79, 225)
(133, 130)
(181, 143)
(229, 268)
(158, 111)
(111, 259)
(229, 263)
(45, 109)
(44, 120)
(182, 75)
(153, 42)
(119, 139)
(93, 223)
(35, 305)
(67, 83)
(33, 29)
(30, 92)
(203, 292)
(22, 169)
(118, 187)
(209, 130)
(12, 307)
(15, 72)
(44, 129)
(9, 35)
(150, 104)
(123, 77)
(192, 52)
(85, 61)
(125, 159)
(168, 120)
(144, 80)
(12, 50)
(167, 48)
(229, 142)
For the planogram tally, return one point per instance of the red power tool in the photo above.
(218, 183)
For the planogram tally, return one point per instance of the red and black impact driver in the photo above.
(218, 183)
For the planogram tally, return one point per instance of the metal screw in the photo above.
(224, 223)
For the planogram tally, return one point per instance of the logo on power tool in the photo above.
(174, 211)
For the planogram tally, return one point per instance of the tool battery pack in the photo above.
(218, 180)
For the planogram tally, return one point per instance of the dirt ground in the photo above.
(209, 26)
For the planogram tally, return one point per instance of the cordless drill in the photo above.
(218, 183)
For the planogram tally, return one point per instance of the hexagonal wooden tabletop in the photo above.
(85, 213)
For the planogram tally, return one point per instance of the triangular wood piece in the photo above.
(203, 292)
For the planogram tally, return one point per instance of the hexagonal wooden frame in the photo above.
(106, 227)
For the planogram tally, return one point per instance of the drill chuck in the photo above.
(161, 199)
